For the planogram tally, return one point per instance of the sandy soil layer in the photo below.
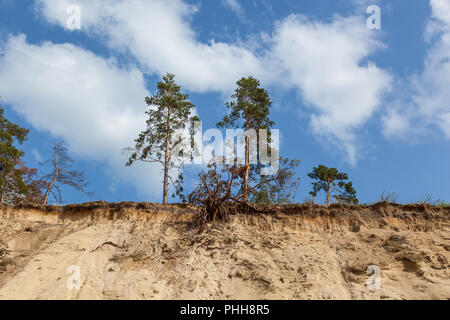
(148, 251)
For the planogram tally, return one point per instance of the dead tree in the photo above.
(62, 174)
(218, 194)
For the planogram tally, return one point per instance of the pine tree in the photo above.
(170, 110)
(332, 182)
(280, 190)
(33, 187)
(249, 109)
(11, 181)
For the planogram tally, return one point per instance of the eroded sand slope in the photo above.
(147, 251)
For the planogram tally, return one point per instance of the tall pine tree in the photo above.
(11, 181)
(170, 110)
(249, 109)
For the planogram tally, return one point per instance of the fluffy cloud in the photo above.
(90, 102)
(429, 107)
(433, 96)
(158, 34)
(395, 123)
(326, 62)
(441, 11)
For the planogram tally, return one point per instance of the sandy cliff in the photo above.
(150, 251)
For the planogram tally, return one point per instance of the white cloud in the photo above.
(158, 34)
(92, 103)
(37, 155)
(441, 10)
(326, 62)
(234, 6)
(363, 4)
(433, 96)
(444, 122)
(429, 106)
(395, 123)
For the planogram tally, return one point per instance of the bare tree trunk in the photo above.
(328, 193)
(47, 193)
(166, 160)
(166, 180)
(247, 162)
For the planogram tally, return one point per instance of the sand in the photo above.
(146, 251)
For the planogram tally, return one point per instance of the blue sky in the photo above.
(372, 103)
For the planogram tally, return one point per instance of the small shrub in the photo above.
(444, 204)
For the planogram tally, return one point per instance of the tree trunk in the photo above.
(47, 193)
(166, 160)
(328, 193)
(247, 162)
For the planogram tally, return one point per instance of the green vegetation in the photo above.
(19, 184)
(282, 189)
(169, 110)
(249, 109)
(220, 190)
(11, 180)
(239, 183)
(16, 180)
(334, 183)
